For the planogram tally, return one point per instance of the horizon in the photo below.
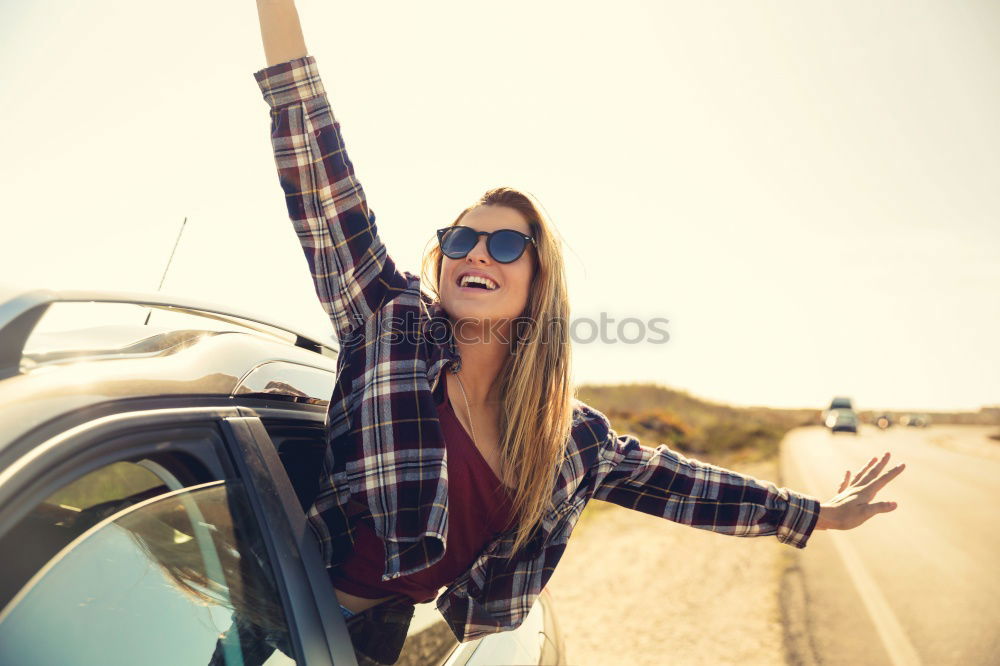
(880, 409)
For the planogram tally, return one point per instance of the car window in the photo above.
(113, 483)
(71, 511)
(181, 577)
(301, 446)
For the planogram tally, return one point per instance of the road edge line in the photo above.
(897, 645)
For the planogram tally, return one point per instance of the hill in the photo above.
(716, 433)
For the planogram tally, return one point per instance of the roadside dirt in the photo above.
(635, 589)
(970, 440)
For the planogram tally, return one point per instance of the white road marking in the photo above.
(897, 645)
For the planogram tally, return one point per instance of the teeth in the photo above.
(477, 279)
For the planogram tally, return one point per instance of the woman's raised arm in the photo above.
(280, 30)
(352, 273)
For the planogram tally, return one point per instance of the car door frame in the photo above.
(319, 634)
(296, 549)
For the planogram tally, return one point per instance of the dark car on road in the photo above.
(840, 416)
(153, 483)
(842, 420)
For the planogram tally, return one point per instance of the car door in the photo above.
(159, 537)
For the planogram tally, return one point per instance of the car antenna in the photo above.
(164, 277)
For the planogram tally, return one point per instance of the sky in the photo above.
(806, 191)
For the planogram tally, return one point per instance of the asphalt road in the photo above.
(920, 585)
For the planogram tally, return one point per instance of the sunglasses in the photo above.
(504, 245)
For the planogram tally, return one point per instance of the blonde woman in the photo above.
(457, 457)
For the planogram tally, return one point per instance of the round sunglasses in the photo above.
(504, 245)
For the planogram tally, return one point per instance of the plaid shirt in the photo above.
(386, 455)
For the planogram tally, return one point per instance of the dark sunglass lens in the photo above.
(458, 241)
(506, 246)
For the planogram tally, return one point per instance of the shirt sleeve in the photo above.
(351, 270)
(665, 483)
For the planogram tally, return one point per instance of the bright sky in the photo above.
(807, 191)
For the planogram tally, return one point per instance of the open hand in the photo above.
(853, 505)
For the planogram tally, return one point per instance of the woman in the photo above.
(472, 478)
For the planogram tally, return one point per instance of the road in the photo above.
(920, 585)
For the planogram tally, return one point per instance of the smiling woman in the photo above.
(480, 495)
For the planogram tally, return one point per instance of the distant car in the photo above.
(883, 421)
(837, 403)
(915, 420)
(153, 481)
(840, 415)
(842, 420)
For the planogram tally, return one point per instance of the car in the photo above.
(840, 415)
(153, 487)
(839, 402)
(842, 420)
(883, 421)
(915, 420)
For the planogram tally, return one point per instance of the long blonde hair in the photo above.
(534, 381)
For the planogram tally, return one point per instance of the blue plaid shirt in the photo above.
(386, 454)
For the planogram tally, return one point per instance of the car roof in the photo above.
(56, 373)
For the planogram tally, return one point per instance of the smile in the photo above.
(475, 281)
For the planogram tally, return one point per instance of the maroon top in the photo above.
(478, 509)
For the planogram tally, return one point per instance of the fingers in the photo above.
(857, 477)
(880, 507)
(845, 482)
(879, 483)
(873, 472)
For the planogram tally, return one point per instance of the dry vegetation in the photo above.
(715, 433)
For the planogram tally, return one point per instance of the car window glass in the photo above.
(72, 510)
(181, 578)
(111, 483)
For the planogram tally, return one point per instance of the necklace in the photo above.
(467, 409)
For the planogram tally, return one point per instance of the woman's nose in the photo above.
(478, 253)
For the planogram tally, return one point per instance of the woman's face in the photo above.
(509, 295)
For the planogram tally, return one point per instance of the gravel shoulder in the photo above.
(636, 589)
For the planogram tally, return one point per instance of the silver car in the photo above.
(842, 420)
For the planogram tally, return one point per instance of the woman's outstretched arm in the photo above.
(664, 483)
(351, 270)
